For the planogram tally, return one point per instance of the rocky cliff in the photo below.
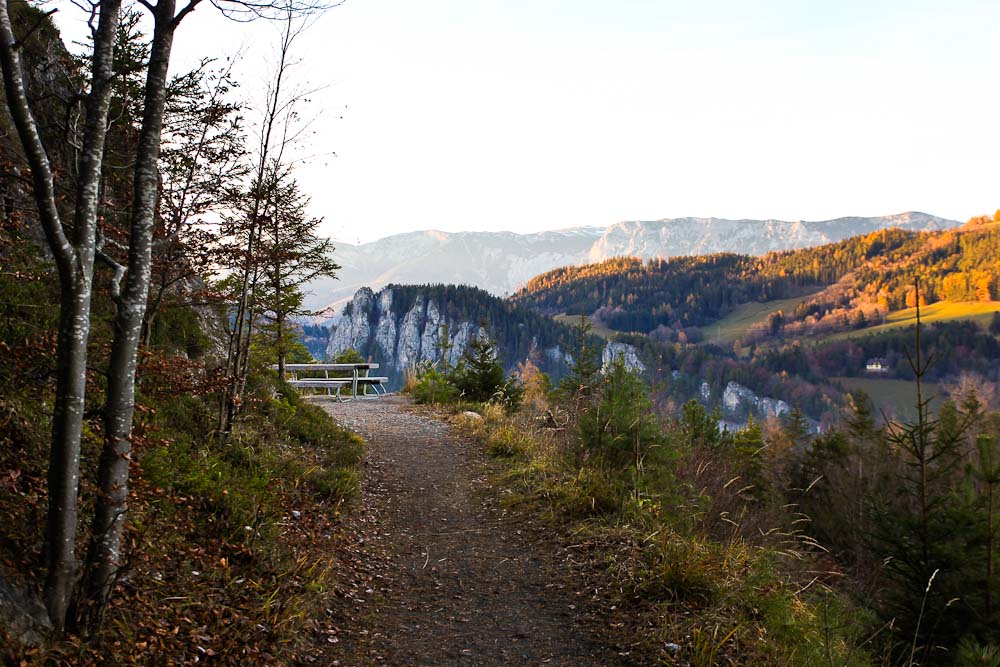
(404, 325)
(398, 338)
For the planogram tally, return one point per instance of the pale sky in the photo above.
(525, 115)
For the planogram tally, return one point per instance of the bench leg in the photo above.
(378, 391)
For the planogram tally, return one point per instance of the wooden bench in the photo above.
(337, 384)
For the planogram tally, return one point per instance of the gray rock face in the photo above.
(460, 340)
(556, 355)
(354, 329)
(626, 352)
(738, 401)
(23, 615)
(375, 325)
(398, 340)
(385, 331)
(408, 340)
(430, 340)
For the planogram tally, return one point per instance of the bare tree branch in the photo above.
(119, 273)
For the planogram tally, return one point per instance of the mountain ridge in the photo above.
(501, 262)
(834, 287)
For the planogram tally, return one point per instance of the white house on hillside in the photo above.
(877, 365)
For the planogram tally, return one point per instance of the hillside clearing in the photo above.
(978, 311)
(597, 328)
(739, 322)
(893, 397)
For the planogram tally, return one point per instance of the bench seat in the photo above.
(338, 384)
(321, 383)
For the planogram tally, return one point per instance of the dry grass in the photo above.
(706, 572)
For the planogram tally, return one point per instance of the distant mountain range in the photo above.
(500, 262)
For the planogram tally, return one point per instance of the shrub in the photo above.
(433, 387)
(576, 388)
(178, 328)
(536, 387)
(972, 654)
(508, 442)
(230, 496)
(349, 356)
(336, 484)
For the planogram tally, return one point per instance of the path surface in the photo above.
(442, 574)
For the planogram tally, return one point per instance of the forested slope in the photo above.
(864, 276)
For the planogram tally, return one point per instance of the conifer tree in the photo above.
(699, 426)
(291, 255)
(920, 527)
(577, 386)
(479, 375)
(621, 430)
(796, 428)
(985, 474)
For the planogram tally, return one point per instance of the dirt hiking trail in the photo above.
(439, 572)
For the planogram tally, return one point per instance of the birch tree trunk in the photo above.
(74, 258)
(104, 554)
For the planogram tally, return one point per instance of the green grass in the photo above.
(979, 311)
(892, 396)
(737, 323)
(597, 329)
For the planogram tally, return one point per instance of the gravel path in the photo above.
(440, 573)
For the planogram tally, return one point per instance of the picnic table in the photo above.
(353, 375)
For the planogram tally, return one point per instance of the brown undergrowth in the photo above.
(228, 545)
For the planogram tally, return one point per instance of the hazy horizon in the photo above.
(603, 227)
(530, 116)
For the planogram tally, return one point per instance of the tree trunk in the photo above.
(75, 263)
(279, 312)
(280, 324)
(64, 454)
(104, 554)
(989, 552)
